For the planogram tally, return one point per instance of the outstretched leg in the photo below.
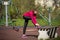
(24, 28)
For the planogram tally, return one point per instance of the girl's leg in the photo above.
(25, 25)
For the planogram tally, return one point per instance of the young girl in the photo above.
(30, 15)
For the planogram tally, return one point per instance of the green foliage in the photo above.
(18, 7)
(42, 22)
(20, 22)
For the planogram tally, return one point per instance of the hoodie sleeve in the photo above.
(33, 18)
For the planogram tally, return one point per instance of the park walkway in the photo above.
(8, 33)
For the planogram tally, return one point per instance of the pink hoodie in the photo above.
(31, 15)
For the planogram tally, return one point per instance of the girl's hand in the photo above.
(37, 24)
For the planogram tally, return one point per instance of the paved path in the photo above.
(10, 34)
(7, 33)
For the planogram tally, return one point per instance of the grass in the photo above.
(20, 22)
(55, 22)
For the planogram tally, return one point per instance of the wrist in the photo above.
(36, 24)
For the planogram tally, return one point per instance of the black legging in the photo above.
(25, 23)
